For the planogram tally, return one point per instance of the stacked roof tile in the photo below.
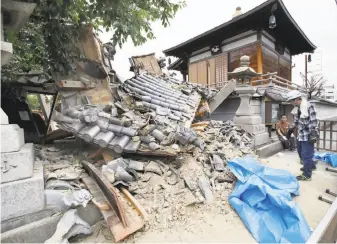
(149, 113)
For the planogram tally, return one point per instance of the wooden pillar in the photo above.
(259, 58)
(184, 75)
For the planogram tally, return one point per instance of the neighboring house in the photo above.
(329, 93)
(269, 36)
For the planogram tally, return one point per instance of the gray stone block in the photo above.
(3, 117)
(42, 230)
(247, 120)
(12, 138)
(14, 223)
(254, 129)
(23, 196)
(269, 149)
(260, 139)
(17, 165)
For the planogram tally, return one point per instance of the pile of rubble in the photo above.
(152, 117)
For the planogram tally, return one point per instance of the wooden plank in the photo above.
(202, 72)
(50, 123)
(109, 191)
(139, 208)
(116, 227)
(164, 152)
(211, 72)
(107, 155)
(72, 84)
(193, 72)
(96, 153)
(56, 135)
(44, 106)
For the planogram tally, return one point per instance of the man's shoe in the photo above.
(313, 168)
(303, 178)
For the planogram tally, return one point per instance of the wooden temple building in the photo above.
(268, 35)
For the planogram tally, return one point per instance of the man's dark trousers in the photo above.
(306, 151)
(288, 144)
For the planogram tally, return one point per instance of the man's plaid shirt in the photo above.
(306, 125)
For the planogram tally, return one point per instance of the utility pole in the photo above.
(307, 59)
(306, 71)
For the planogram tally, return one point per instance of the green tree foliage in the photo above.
(33, 101)
(48, 40)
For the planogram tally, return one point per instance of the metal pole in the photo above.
(324, 199)
(331, 192)
(306, 71)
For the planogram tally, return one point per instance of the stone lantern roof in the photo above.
(14, 16)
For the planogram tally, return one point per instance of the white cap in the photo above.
(293, 95)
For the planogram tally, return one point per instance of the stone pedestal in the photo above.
(23, 196)
(17, 165)
(245, 119)
(22, 186)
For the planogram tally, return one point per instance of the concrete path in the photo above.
(312, 208)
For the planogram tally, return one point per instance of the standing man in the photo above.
(307, 126)
(282, 128)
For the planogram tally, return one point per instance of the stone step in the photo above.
(260, 139)
(22, 197)
(269, 149)
(41, 229)
(12, 138)
(17, 165)
(17, 222)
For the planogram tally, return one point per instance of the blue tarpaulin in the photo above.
(262, 198)
(330, 158)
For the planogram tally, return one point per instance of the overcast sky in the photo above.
(318, 20)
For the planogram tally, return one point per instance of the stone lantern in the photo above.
(244, 116)
(244, 73)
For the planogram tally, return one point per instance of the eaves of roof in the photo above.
(179, 49)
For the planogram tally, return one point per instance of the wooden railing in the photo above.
(327, 136)
(264, 80)
(273, 78)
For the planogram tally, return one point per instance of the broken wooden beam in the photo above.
(72, 84)
(108, 189)
(116, 227)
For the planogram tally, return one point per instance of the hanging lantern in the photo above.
(272, 21)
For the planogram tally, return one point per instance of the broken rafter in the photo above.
(108, 189)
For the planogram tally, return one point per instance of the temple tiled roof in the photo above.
(149, 113)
